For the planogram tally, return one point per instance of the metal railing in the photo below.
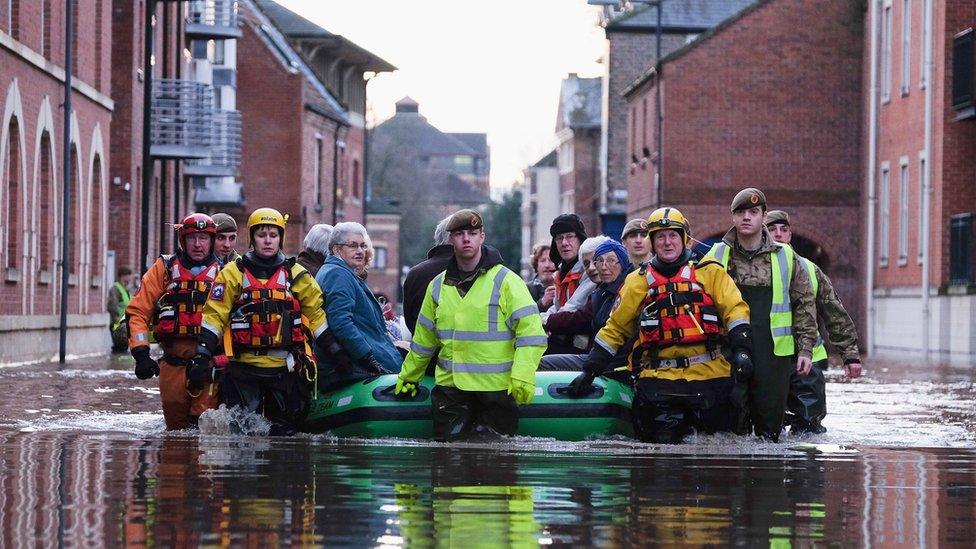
(224, 157)
(182, 119)
(213, 19)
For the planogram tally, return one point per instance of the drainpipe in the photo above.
(927, 177)
(872, 168)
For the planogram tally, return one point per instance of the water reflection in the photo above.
(106, 490)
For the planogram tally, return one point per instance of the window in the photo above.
(464, 164)
(95, 225)
(317, 172)
(219, 55)
(921, 203)
(906, 46)
(46, 28)
(48, 210)
(13, 217)
(379, 257)
(885, 212)
(633, 133)
(961, 249)
(962, 74)
(13, 18)
(99, 39)
(644, 126)
(903, 213)
(886, 52)
(356, 178)
(924, 50)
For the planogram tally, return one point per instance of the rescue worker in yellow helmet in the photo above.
(806, 404)
(263, 309)
(775, 284)
(683, 313)
(170, 303)
(479, 316)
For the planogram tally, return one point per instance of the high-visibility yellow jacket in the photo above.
(624, 320)
(492, 334)
(225, 292)
(819, 351)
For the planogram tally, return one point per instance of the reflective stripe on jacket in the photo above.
(819, 351)
(781, 313)
(492, 334)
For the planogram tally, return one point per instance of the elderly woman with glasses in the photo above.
(355, 317)
(612, 266)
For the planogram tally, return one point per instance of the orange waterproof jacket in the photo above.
(141, 309)
(566, 287)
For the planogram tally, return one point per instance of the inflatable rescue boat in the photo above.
(369, 409)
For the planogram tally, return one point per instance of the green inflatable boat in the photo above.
(368, 409)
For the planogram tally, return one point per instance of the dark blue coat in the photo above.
(354, 316)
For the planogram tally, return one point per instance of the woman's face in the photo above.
(353, 252)
(609, 267)
(267, 240)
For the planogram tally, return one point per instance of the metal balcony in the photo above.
(182, 119)
(213, 19)
(224, 158)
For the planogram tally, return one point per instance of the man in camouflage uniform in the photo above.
(775, 285)
(807, 401)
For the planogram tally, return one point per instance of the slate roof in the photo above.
(478, 142)
(411, 127)
(290, 23)
(688, 15)
(580, 102)
(548, 160)
(448, 188)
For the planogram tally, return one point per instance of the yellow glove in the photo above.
(404, 387)
(521, 391)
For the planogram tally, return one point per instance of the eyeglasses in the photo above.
(608, 261)
(354, 245)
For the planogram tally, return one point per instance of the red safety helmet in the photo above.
(195, 223)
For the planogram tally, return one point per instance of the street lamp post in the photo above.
(147, 161)
(66, 183)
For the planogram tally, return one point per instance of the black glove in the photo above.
(201, 368)
(581, 386)
(145, 366)
(370, 365)
(742, 368)
(740, 343)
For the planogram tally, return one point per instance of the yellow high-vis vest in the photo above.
(819, 351)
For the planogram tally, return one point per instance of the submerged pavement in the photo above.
(84, 460)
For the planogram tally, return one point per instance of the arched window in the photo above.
(73, 232)
(97, 252)
(355, 178)
(47, 211)
(13, 218)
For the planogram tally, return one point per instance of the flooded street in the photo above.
(84, 461)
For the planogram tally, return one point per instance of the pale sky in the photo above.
(490, 66)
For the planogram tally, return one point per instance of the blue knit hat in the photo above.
(612, 245)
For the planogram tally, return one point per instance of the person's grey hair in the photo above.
(317, 238)
(342, 231)
(591, 244)
(440, 232)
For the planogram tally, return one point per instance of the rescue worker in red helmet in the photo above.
(170, 303)
(264, 312)
(683, 313)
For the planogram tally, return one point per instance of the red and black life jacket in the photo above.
(266, 315)
(179, 311)
(677, 311)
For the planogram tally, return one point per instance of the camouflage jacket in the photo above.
(755, 269)
(840, 330)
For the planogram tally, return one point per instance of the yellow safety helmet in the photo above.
(266, 216)
(671, 219)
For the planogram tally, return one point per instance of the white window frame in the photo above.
(885, 198)
(923, 51)
(906, 47)
(380, 257)
(903, 183)
(317, 171)
(10, 17)
(922, 162)
(885, 67)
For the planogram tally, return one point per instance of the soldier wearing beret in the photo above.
(480, 320)
(807, 401)
(775, 285)
(634, 238)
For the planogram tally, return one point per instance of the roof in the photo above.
(412, 128)
(580, 102)
(478, 142)
(702, 38)
(680, 15)
(380, 206)
(287, 55)
(448, 188)
(548, 160)
(296, 27)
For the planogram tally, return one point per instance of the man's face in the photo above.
(224, 243)
(467, 243)
(667, 245)
(567, 244)
(781, 232)
(545, 268)
(198, 245)
(267, 240)
(637, 244)
(748, 221)
(591, 270)
(353, 252)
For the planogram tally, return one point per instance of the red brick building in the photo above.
(32, 59)
(909, 312)
(770, 98)
(578, 153)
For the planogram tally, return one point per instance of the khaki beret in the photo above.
(748, 198)
(463, 220)
(225, 223)
(632, 226)
(776, 216)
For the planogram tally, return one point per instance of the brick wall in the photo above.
(384, 231)
(586, 179)
(774, 101)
